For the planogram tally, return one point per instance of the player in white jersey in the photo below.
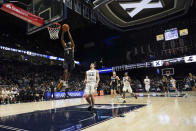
(13, 95)
(127, 86)
(91, 80)
(5, 95)
(173, 83)
(147, 84)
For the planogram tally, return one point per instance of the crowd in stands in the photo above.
(25, 82)
(22, 81)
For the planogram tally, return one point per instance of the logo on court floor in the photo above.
(130, 14)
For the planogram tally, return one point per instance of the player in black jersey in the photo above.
(192, 81)
(165, 84)
(114, 84)
(68, 63)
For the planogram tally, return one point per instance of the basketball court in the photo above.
(154, 112)
(144, 113)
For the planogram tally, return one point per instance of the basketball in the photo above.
(65, 27)
(167, 63)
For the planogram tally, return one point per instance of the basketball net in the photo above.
(54, 31)
(167, 74)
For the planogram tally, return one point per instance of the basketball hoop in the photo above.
(54, 31)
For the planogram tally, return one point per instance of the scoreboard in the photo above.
(171, 34)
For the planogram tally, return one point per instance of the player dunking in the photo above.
(91, 80)
(114, 84)
(127, 86)
(68, 63)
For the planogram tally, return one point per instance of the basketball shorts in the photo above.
(192, 83)
(173, 85)
(147, 87)
(90, 88)
(127, 88)
(165, 84)
(113, 87)
(69, 65)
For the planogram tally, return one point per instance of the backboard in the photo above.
(50, 10)
(168, 72)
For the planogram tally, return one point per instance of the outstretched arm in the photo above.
(129, 79)
(62, 40)
(118, 79)
(111, 82)
(98, 78)
(85, 80)
(72, 42)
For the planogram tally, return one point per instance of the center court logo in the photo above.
(139, 6)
